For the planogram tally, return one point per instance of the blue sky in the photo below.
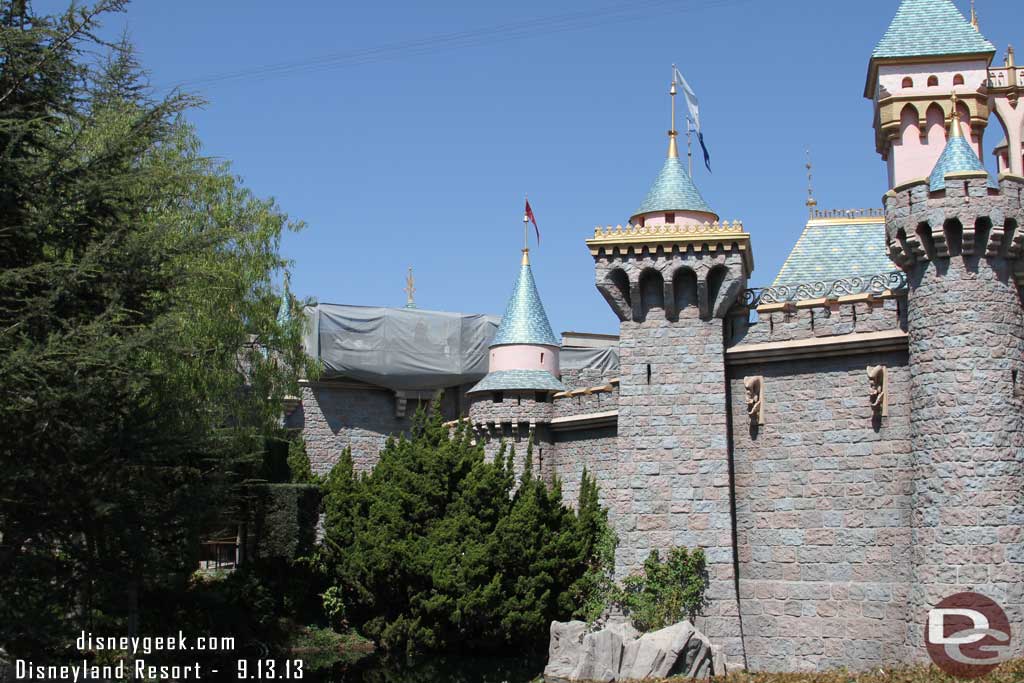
(420, 153)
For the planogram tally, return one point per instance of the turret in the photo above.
(958, 235)
(929, 51)
(514, 399)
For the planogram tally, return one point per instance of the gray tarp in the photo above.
(412, 349)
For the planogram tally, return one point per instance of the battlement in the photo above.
(846, 214)
(639, 241)
(968, 217)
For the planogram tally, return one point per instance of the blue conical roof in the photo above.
(930, 27)
(957, 156)
(525, 321)
(673, 190)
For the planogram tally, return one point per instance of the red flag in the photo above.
(529, 215)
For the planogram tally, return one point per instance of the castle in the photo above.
(847, 445)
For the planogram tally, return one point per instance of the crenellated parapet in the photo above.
(668, 268)
(519, 411)
(968, 217)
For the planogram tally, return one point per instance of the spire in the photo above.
(1009, 57)
(957, 157)
(974, 17)
(673, 149)
(811, 201)
(955, 129)
(284, 311)
(931, 27)
(525, 321)
(410, 290)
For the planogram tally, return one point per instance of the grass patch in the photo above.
(1010, 672)
(322, 648)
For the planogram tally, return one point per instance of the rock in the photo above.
(564, 648)
(618, 652)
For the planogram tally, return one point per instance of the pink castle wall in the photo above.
(524, 357)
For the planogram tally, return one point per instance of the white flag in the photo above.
(691, 99)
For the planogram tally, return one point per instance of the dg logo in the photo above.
(968, 635)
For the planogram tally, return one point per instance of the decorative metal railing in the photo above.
(826, 289)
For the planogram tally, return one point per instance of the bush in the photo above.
(665, 592)
(438, 549)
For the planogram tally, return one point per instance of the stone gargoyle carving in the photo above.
(754, 387)
(878, 376)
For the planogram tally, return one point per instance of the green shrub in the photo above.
(298, 463)
(665, 592)
(439, 549)
(281, 520)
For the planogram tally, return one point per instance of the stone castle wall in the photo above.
(962, 250)
(335, 416)
(823, 514)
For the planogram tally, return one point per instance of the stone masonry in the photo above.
(673, 431)
(962, 250)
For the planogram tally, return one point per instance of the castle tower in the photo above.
(514, 400)
(958, 236)
(671, 277)
(929, 50)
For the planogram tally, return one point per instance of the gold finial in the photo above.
(410, 290)
(974, 17)
(1009, 56)
(955, 131)
(811, 201)
(673, 149)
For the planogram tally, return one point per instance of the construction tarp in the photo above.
(412, 349)
(605, 360)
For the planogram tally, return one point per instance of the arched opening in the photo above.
(958, 79)
(684, 290)
(933, 81)
(652, 291)
(910, 133)
(954, 236)
(936, 125)
(924, 235)
(908, 82)
(715, 280)
(619, 278)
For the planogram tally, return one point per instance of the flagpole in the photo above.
(689, 145)
(526, 228)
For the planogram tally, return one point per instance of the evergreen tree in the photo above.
(136, 302)
(438, 549)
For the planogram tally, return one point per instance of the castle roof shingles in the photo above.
(930, 27)
(832, 250)
(673, 190)
(525, 321)
(956, 157)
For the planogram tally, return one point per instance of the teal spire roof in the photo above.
(284, 311)
(930, 27)
(525, 321)
(673, 190)
(958, 156)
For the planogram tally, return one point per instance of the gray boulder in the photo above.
(618, 652)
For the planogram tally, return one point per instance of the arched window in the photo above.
(933, 81)
(958, 79)
(908, 82)
(652, 291)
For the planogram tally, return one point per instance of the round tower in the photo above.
(958, 235)
(515, 399)
(671, 277)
